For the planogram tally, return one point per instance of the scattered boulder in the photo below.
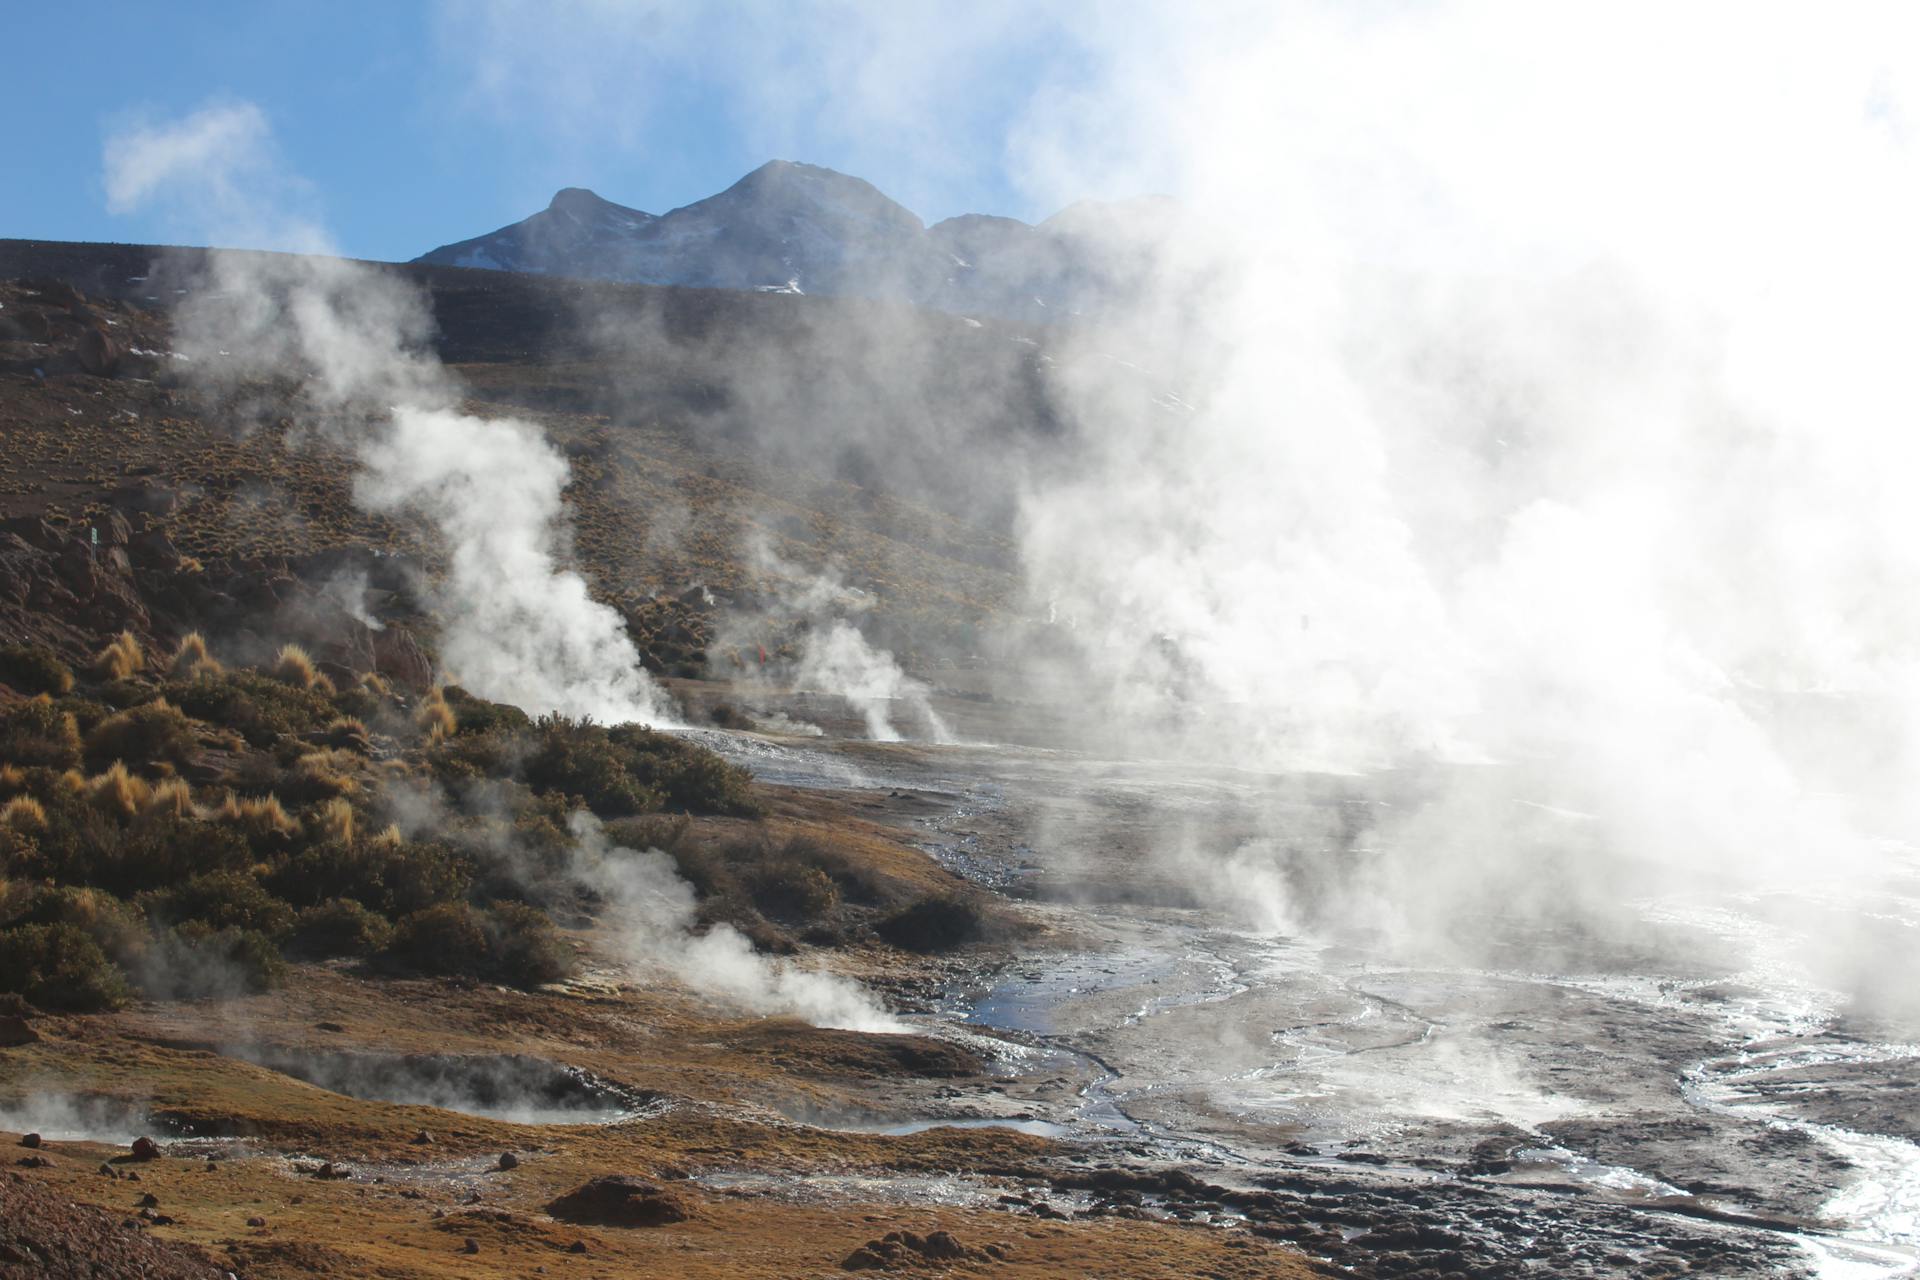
(507, 1162)
(97, 352)
(34, 1162)
(471, 1246)
(910, 1249)
(146, 1149)
(617, 1200)
(399, 657)
(256, 1222)
(31, 1142)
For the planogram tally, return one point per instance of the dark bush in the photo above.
(143, 734)
(630, 769)
(115, 926)
(37, 733)
(57, 966)
(526, 950)
(33, 669)
(83, 846)
(196, 961)
(692, 777)
(790, 892)
(477, 715)
(938, 923)
(341, 927)
(466, 757)
(578, 758)
(392, 877)
(448, 938)
(222, 900)
(258, 707)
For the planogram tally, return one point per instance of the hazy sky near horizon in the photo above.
(414, 124)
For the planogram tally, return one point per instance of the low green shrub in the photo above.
(256, 706)
(116, 927)
(394, 878)
(196, 961)
(140, 735)
(222, 900)
(477, 715)
(448, 938)
(36, 733)
(525, 949)
(34, 669)
(340, 927)
(58, 967)
(937, 923)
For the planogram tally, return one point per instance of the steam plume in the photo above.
(518, 627)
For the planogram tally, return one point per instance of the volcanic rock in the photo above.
(617, 1200)
(146, 1149)
(14, 1030)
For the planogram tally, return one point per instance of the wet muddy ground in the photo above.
(1694, 1102)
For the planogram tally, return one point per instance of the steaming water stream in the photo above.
(1710, 1099)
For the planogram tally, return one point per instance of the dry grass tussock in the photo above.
(120, 660)
(347, 731)
(294, 665)
(434, 717)
(23, 813)
(335, 821)
(256, 815)
(119, 792)
(12, 778)
(191, 659)
(389, 838)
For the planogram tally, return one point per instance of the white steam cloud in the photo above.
(657, 911)
(1541, 399)
(835, 658)
(1526, 383)
(517, 627)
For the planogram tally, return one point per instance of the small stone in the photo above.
(146, 1149)
(471, 1246)
(34, 1162)
(256, 1222)
(148, 1201)
(507, 1161)
(108, 1170)
(31, 1142)
(578, 1246)
(423, 1139)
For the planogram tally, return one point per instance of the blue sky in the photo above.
(420, 123)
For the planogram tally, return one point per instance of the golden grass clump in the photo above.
(434, 717)
(191, 659)
(294, 665)
(336, 820)
(389, 838)
(326, 772)
(172, 797)
(257, 815)
(12, 778)
(118, 792)
(376, 684)
(23, 813)
(120, 660)
(74, 782)
(347, 731)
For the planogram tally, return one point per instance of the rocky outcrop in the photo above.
(618, 1200)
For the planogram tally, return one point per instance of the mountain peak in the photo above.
(789, 227)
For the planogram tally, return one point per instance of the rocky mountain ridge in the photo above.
(800, 228)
